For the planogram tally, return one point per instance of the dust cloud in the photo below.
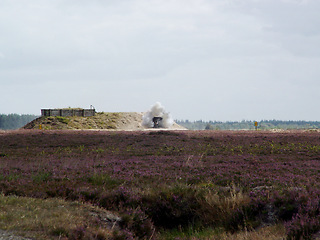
(157, 111)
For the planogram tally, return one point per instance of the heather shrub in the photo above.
(60, 190)
(78, 233)
(302, 227)
(89, 195)
(42, 176)
(124, 234)
(286, 204)
(85, 233)
(171, 208)
(59, 231)
(104, 180)
(307, 221)
(244, 217)
(119, 199)
(138, 223)
(274, 205)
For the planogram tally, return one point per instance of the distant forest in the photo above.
(15, 121)
(262, 125)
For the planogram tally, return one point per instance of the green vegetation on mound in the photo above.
(99, 121)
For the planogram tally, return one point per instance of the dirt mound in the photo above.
(129, 121)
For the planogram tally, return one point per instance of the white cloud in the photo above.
(217, 55)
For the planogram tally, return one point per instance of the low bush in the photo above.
(171, 208)
(307, 221)
(104, 180)
(302, 227)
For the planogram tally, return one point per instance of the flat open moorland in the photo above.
(163, 184)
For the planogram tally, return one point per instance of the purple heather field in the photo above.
(161, 179)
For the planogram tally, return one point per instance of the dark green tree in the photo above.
(15, 121)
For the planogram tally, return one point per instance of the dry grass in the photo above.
(222, 206)
(274, 232)
(49, 219)
(233, 200)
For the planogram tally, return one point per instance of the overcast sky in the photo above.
(202, 59)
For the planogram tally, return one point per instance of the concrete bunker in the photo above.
(68, 112)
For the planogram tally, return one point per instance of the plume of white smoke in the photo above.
(157, 110)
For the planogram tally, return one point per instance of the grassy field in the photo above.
(160, 184)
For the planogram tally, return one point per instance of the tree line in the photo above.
(15, 121)
(248, 124)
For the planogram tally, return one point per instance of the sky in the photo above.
(219, 60)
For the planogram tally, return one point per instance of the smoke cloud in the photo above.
(157, 110)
